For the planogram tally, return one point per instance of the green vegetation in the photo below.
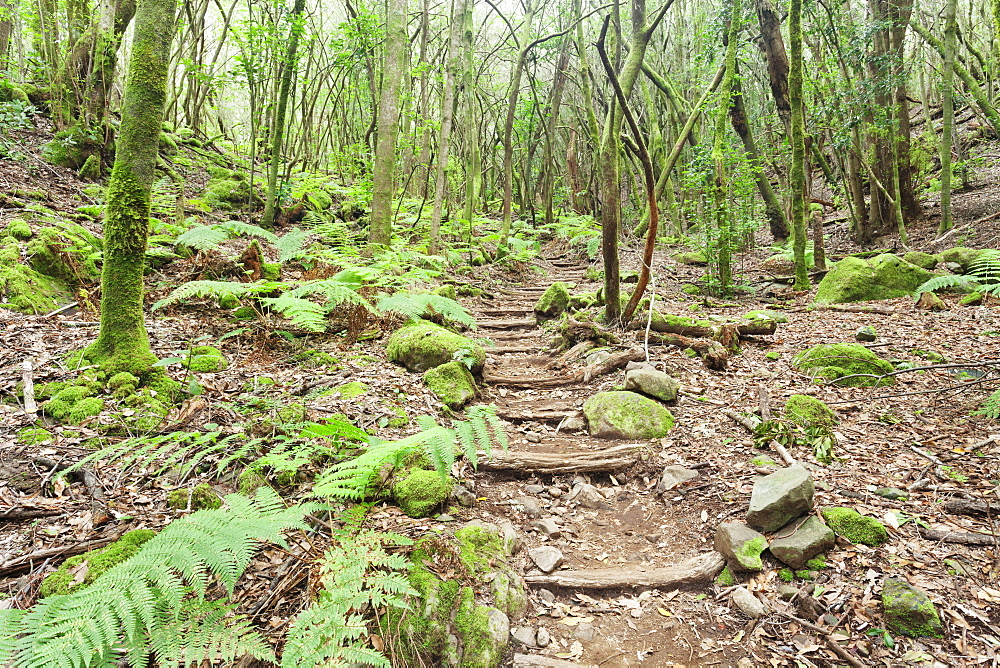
(845, 364)
(851, 525)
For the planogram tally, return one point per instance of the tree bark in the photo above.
(947, 113)
(797, 177)
(122, 343)
(773, 46)
(722, 252)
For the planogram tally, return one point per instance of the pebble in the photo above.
(554, 492)
(548, 527)
(525, 635)
(531, 506)
(588, 496)
(584, 632)
(787, 592)
(445, 517)
(547, 558)
(573, 424)
(533, 437)
(463, 496)
(547, 596)
(542, 637)
(534, 489)
(749, 604)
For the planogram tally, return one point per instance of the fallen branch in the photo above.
(86, 476)
(751, 424)
(984, 540)
(20, 563)
(700, 569)
(758, 327)
(713, 353)
(21, 514)
(589, 461)
(508, 324)
(830, 642)
(29, 387)
(539, 661)
(965, 507)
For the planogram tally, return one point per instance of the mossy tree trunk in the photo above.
(947, 113)
(122, 343)
(797, 176)
(722, 256)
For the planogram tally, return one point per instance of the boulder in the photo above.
(553, 301)
(836, 360)
(741, 546)
(675, 476)
(963, 257)
(626, 415)
(808, 411)
(922, 260)
(691, 257)
(452, 383)
(779, 498)
(420, 492)
(652, 383)
(423, 346)
(883, 277)
(855, 527)
(808, 539)
(908, 611)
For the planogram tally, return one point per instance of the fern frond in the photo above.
(302, 312)
(986, 266)
(202, 237)
(290, 245)
(201, 633)
(416, 306)
(990, 407)
(333, 291)
(216, 289)
(239, 228)
(936, 283)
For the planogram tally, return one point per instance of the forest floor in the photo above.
(886, 437)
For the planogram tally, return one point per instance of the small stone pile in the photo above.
(637, 412)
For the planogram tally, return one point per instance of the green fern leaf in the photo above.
(215, 290)
(936, 283)
(301, 312)
(290, 245)
(990, 407)
(239, 228)
(416, 306)
(202, 237)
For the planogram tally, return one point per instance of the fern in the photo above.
(290, 245)
(990, 407)
(216, 290)
(983, 275)
(206, 237)
(417, 306)
(144, 605)
(239, 228)
(302, 312)
(946, 281)
(357, 574)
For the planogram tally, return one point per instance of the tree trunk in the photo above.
(384, 168)
(947, 113)
(6, 30)
(722, 253)
(473, 156)
(278, 130)
(777, 60)
(797, 176)
(122, 343)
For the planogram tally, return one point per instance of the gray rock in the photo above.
(584, 632)
(639, 365)
(627, 415)
(779, 498)
(652, 383)
(534, 489)
(674, 476)
(866, 334)
(547, 558)
(445, 517)
(741, 546)
(505, 529)
(891, 493)
(463, 496)
(524, 635)
(588, 496)
(532, 437)
(908, 610)
(787, 592)
(807, 540)
(547, 596)
(573, 423)
(749, 604)
(549, 527)
(542, 637)
(554, 492)
(953, 267)
(498, 627)
(531, 506)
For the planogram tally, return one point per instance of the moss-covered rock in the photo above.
(883, 277)
(908, 611)
(229, 301)
(971, 299)
(423, 346)
(809, 412)
(420, 492)
(16, 228)
(452, 383)
(96, 562)
(71, 147)
(205, 359)
(67, 251)
(837, 360)
(398, 417)
(245, 313)
(964, 257)
(855, 527)
(33, 435)
(691, 257)
(231, 190)
(198, 498)
(92, 168)
(922, 260)
(270, 271)
(168, 143)
(621, 414)
(766, 314)
(447, 290)
(554, 301)
(25, 289)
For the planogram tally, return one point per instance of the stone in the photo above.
(866, 334)
(420, 492)
(805, 541)
(909, 611)
(452, 383)
(498, 629)
(740, 545)
(463, 496)
(779, 265)
(584, 631)
(961, 256)
(928, 301)
(766, 314)
(691, 257)
(626, 415)
(546, 558)
(530, 506)
(972, 299)
(833, 361)
(554, 492)
(748, 604)
(922, 260)
(674, 476)
(883, 277)
(652, 383)
(525, 636)
(639, 365)
(534, 489)
(779, 498)
(787, 592)
(892, 493)
(548, 526)
(423, 346)
(547, 596)
(542, 637)
(532, 437)
(573, 423)
(553, 301)
(855, 527)
(588, 496)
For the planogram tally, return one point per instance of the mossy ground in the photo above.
(197, 498)
(834, 361)
(850, 524)
(98, 561)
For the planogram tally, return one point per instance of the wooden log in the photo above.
(86, 476)
(573, 354)
(538, 661)
(21, 514)
(983, 540)
(713, 354)
(966, 507)
(756, 327)
(530, 323)
(696, 570)
(588, 461)
(616, 361)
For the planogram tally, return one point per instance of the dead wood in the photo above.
(29, 387)
(966, 507)
(713, 353)
(616, 361)
(757, 327)
(573, 354)
(508, 324)
(751, 424)
(538, 661)
(696, 570)
(825, 634)
(21, 514)
(576, 331)
(858, 309)
(554, 411)
(28, 560)
(590, 461)
(501, 350)
(984, 540)
(86, 476)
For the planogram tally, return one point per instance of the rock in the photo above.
(749, 604)
(547, 558)
(597, 357)
(588, 496)
(498, 629)
(961, 256)
(532, 437)
(584, 632)
(423, 346)
(547, 596)
(810, 538)
(573, 423)
(866, 334)
(809, 411)
(463, 496)
(553, 301)
(883, 277)
(836, 360)
(445, 517)
(626, 415)
(853, 526)
(779, 498)
(971, 299)
(892, 493)
(908, 611)
(511, 539)
(542, 637)
(766, 314)
(674, 476)
(525, 636)
(787, 592)
(922, 260)
(639, 365)
(549, 527)
(740, 545)
(534, 489)
(530, 505)
(779, 265)
(420, 492)
(652, 383)
(452, 383)
(691, 257)
(554, 492)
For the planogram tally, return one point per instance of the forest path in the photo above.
(628, 527)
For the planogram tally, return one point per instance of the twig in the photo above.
(20, 563)
(926, 455)
(86, 476)
(825, 634)
(979, 539)
(29, 387)
(21, 514)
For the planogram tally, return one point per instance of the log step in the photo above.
(507, 324)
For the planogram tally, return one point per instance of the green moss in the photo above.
(766, 314)
(66, 251)
(292, 414)
(805, 574)
(84, 409)
(883, 277)
(809, 411)
(97, 562)
(316, 358)
(836, 360)
(922, 260)
(424, 345)
(749, 553)
(786, 574)
(202, 496)
(167, 389)
(92, 169)
(33, 435)
(229, 301)
(352, 390)
(725, 578)
(691, 257)
(420, 492)
(168, 144)
(851, 525)
(479, 649)
(227, 192)
(961, 256)
(691, 289)
(448, 290)
(245, 313)
(16, 228)
(71, 147)
(399, 419)
(662, 322)
(772, 355)
(908, 611)
(971, 299)
(817, 563)
(452, 383)
(25, 289)
(319, 199)
(270, 271)
(627, 415)
(205, 359)
(553, 301)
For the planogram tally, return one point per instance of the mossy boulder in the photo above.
(908, 611)
(452, 383)
(554, 301)
(16, 228)
(620, 414)
(691, 257)
(197, 498)
(447, 290)
(922, 260)
(834, 361)
(71, 147)
(231, 190)
(423, 346)
(25, 289)
(809, 411)
(205, 359)
(420, 492)
(964, 257)
(67, 578)
(883, 277)
(855, 527)
(92, 168)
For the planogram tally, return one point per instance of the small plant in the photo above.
(990, 407)
(983, 275)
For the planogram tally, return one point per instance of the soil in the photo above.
(924, 427)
